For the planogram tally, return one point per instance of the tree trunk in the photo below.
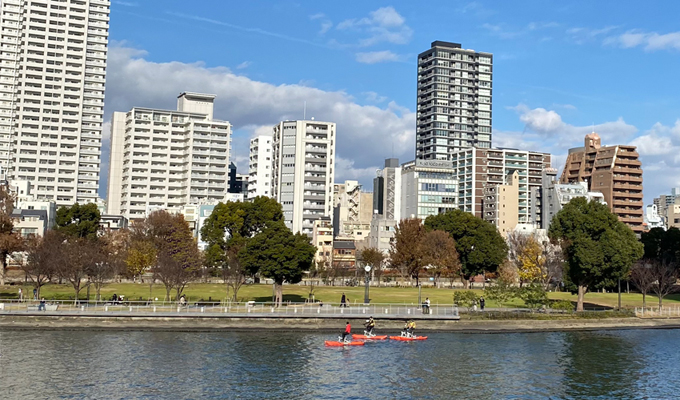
(167, 292)
(660, 301)
(278, 288)
(644, 300)
(581, 294)
(466, 283)
(77, 289)
(98, 288)
(3, 268)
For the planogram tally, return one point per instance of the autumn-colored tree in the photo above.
(10, 241)
(407, 251)
(375, 258)
(79, 256)
(111, 249)
(141, 256)
(531, 262)
(178, 259)
(439, 251)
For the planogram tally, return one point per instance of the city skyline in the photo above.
(559, 73)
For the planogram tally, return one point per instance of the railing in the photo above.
(663, 311)
(226, 307)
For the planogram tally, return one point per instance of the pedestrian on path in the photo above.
(343, 301)
(481, 303)
(41, 306)
(21, 295)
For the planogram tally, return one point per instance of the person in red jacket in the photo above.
(347, 332)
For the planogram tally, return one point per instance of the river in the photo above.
(634, 364)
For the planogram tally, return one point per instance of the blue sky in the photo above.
(560, 69)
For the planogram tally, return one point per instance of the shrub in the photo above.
(465, 298)
(563, 305)
(534, 296)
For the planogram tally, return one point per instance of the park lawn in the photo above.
(327, 294)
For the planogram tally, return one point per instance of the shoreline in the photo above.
(332, 324)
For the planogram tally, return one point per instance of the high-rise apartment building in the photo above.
(454, 100)
(166, 159)
(387, 191)
(303, 171)
(260, 167)
(613, 170)
(52, 75)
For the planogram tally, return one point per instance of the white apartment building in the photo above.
(52, 72)
(164, 159)
(303, 171)
(260, 167)
(454, 100)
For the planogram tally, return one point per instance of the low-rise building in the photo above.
(322, 238)
(428, 187)
(653, 219)
(30, 223)
(501, 203)
(352, 211)
(344, 254)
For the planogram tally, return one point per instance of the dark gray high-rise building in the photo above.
(454, 100)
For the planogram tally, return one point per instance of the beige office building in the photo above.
(501, 203)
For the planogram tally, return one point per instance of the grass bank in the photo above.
(327, 294)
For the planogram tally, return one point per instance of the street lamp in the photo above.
(367, 268)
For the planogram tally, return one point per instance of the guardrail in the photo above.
(663, 311)
(251, 307)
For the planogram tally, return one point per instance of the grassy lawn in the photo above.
(327, 294)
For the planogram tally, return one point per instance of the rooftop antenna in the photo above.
(304, 112)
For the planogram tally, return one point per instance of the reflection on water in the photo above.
(576, 365)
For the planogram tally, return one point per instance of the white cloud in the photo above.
(374, 97)
(326, 23)
(365, 134)
(244, 65)
(503, 32)
(550, 123)
(374, 57)
(382, 25)
(582, 35)
(126, 3)
(650, 41)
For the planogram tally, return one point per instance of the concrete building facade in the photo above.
(501, 203)
(260, 167)
(653, 219)
(352, 211)
(303, 170)
(428, 187)
(454, 100)
(615, 171)
(164, 159)
(52, 76)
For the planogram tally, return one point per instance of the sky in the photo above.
(561, 70)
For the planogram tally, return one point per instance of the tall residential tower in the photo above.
(454, 100)
(52, 74)
(303, 171)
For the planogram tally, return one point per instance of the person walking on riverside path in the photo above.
(481, 303)
(343, 301)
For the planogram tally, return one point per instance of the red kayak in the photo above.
(335, 343)
(408, 339)
(364, 337)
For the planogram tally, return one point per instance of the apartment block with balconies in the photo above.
(260, 167)
(166, 159)
(52, 73)
(454, 100)
(615, 171)
(303, 171)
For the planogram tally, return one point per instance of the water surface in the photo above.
(636, 364)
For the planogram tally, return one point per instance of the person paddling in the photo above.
(347, 332)
(370, 324)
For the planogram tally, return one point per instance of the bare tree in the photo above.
(553, 265)
(233, 273)
(79, 257)
(665, 277)
(110, 259)
(43, 256)
(643, 278)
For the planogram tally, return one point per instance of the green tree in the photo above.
(598, 247)
(662, 245)
(278, 254)
(501, 292)
(480, 247)
(465, 298)
(533, 295)
(407, 250)
(10, 241)
(228, 229)
(79, 221)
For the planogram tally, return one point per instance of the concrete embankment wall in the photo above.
(207, 323)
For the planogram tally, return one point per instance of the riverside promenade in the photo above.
(293, 317)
